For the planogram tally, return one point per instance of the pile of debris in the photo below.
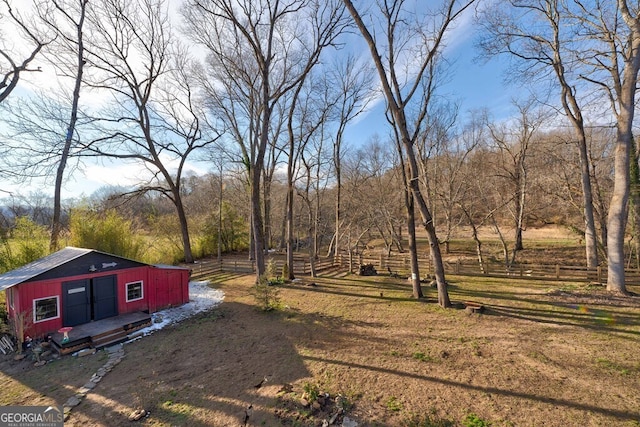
(368, 270)
(6, 345)
(40, 352)
(326, 410)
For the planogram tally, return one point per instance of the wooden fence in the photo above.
(243, 265)
(401, 265)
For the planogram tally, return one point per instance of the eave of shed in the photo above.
(42, 265)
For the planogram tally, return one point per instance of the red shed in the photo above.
(75, 286)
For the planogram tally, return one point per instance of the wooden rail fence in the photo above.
(400, 265)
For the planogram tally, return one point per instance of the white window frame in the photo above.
(141, 282)
(57, 316)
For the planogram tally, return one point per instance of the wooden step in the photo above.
(62, 350)
(134, 326)
(107, 333)
(115, 337)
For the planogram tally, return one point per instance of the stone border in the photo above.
(116, 354)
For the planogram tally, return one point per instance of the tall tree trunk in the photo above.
(436, 256)
(413, 248)
(635, 203)
(618, 208)
(411, 228)
(521, 198)
(397, 111)
(220, 189)
(283, 225)
(600, 207)
(252, 243)
(617, 217)
(184, 227)
(266, 198)
(590, 239)
(338, 217)
(256, 222)
(574, 112)
(57, 196)
(290, 225)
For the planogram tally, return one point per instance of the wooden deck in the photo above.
(100, 333)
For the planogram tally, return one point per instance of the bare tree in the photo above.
(263, 49)
(540, 36)
(306, 115)
(11, 63)
(372, 194)
(65, 18)
(611, 56)
(440, 158)
(154, 119)
(313, 168)
(513, 148)
(423, 42)
(354, 82)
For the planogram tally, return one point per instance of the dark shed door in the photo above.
(76, 302)
(105, 301)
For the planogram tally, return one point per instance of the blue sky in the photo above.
(472, 84)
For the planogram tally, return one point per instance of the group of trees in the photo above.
(268, 88)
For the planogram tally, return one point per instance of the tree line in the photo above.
(264, 91)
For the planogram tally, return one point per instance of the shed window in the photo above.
(134, 291)
(45, 309)
(10, 297)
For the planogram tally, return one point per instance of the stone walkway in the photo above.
(116, 354)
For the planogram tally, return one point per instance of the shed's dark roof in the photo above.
(42, 265)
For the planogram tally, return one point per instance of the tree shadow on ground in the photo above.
(210, 369)
(546, 309)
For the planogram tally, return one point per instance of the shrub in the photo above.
(472, 420)
(393, 404)
(107, 232)
(234, 235)
(266, 295)
(26, 242)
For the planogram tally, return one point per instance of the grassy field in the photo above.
(552, 354)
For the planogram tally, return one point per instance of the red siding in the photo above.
(130, 276)
(162, 287)
(171, 287)
(24, 303)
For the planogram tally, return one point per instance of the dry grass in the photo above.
(542, 354)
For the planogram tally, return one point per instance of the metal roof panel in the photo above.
(42, 265)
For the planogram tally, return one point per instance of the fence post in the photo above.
(599, 272)
(557, 271)
(381, 262)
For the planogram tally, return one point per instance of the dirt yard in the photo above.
(542, 354)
